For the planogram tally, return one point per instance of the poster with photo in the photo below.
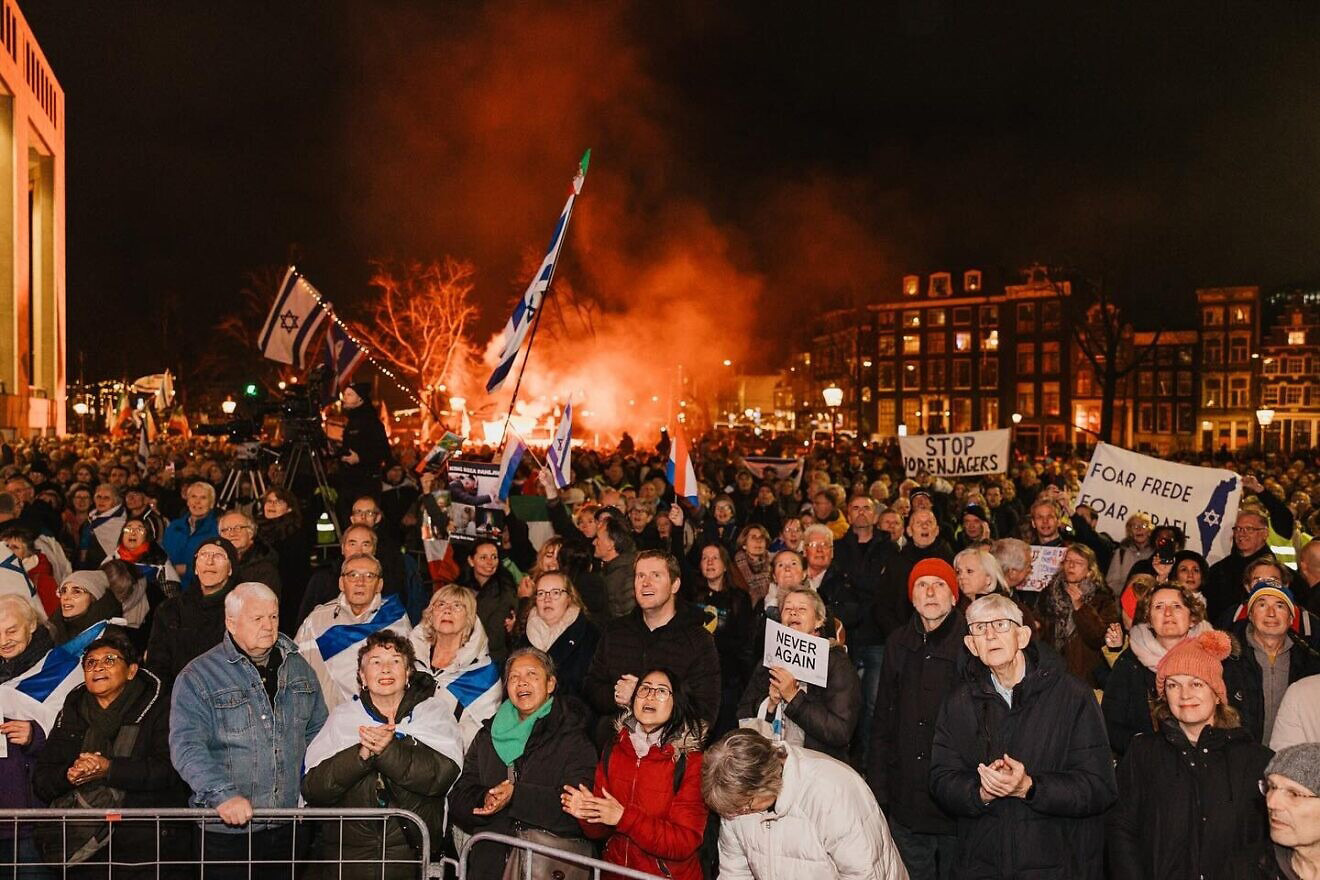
(473, 509)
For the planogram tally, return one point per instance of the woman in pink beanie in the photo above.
(1187, 792)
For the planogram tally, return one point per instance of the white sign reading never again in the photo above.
(807, 657)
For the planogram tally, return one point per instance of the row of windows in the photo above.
(1239, 350)
(1050, 316)
(936, 343)
(1302, 365)
(934, 414)
(1158, 418)
(941, 283)
(1237, 395)
(937, 375)
(1050, 399)
(1165, 383)
(1213, 316)
(1290, 395)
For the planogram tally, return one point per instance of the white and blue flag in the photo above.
(525, 311)
(38, 694)
(14, 581)
(294, 318)
(514, 447)
(561, 448)
(333, 653)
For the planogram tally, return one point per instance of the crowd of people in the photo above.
(601, 691)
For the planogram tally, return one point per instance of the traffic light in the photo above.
(250, 389)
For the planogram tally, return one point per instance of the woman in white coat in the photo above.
(451, 645)
(789, 813)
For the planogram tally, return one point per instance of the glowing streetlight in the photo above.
(80, 407)
(728, 363)
(1017, 418)
(229, 406)
(833, 397)
(1265, 417)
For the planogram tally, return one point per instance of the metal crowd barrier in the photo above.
(595, 866)
(192, 830)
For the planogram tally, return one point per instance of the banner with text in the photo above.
(807, 657)
(1201, 501)
(956, 455)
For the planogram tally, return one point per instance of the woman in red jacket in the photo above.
(647, 797)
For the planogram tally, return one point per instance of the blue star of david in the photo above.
(289, 321)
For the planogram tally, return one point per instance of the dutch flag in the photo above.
(530, 303)
(678, 470)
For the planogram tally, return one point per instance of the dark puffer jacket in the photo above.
(1129, 692)
(1055, 729)
(185, 627)
(261, 564)
(1183, 810)
(828, 716)
(572, 653)
(919, 670)
(558, 753)
(629, 647)
(414, 777)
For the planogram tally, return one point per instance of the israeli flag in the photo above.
(514, 447)
(333, 653)
(561, 448)
(530, 303)
(294, 318)
(38, 694)
(104, 529)
(14, 581)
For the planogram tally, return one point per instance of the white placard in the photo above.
(956, 455)
(1045, 562)
(807, 657)
(1203, 502)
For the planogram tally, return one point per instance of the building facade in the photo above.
(32, 240)
(1229, 326)
(1290, 365)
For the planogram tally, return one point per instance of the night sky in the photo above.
(795, 156)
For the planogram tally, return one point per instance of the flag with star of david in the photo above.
(293, 322)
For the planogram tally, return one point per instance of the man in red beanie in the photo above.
(924, 660)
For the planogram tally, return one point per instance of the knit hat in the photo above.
(934, 567)
(1272, 587)
(1202, 656)
(223, 543)
(1300, 763)
(93, 582)
(363, 390)
(977, 511)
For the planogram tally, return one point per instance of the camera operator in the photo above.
(364, 450)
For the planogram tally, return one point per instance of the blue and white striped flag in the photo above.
(342, 357)
(333, 653)
(561, 449)
(525, 311)
(514, 447)
(294, 318)
(38, 694)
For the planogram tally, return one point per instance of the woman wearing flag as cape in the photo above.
(391, 745)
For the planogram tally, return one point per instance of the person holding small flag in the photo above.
(330, 635)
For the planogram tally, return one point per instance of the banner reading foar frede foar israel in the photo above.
(1201, 501)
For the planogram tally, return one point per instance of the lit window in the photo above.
(935, 317)
(1297, 337)
(972, 280)
(1213, 317)
(1026, 398)
(941, 284)
(912, 318)
(911, 285)
(962, 341)
(911, 344)
(990, 341)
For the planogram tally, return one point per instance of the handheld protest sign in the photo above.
(807, 657)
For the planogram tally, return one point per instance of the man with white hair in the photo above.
(1020, 757)
(828, 579)
(241, 717)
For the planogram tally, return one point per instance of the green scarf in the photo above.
(509, 733)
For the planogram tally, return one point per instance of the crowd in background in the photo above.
(601, 690)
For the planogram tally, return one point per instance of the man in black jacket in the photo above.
(660, 631)
(923, 661)
(363, 450)
(892, 608)
(1251, 541)
(1021, 759)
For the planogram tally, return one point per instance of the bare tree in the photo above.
(1103, 335)
(421, 322)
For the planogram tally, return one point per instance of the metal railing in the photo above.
(174, 842)
(595, 866)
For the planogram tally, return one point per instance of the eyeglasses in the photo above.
(234, 530)
(819, 545)
(371, 513)
(70, 591)
(550, 594)
(367, 576)
(1002, 625)
(1246, 530)
(134, 530)
(449, 606)
(106, 662)
(659, 691)
(1267, 788)
(211, 557)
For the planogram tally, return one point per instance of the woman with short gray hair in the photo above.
(783, 804)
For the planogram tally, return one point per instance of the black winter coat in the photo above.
(260, 564)
(558, 753)
(1055, 729)
(1245, 681)
(414, 776)
(1223, 592)
(919, 671)
(365, 435)
(892, 606)
(828, 716)
(1129, 695)
(185, 627)
(1183, 810)
(572, 653)
(842, 600)
(629, 647)
(497, 601)
(865, 566)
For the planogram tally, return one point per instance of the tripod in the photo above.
(300, 452)
(245, 473)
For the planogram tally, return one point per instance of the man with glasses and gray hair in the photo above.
(1292, 802)
(1020, 757)
(332, 633)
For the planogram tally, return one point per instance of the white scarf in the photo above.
(1147, 649)
(542, 635)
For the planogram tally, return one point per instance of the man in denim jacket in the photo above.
(241, 717)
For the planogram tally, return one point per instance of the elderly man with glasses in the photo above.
(331, 635)
(1020, 757)
(1292, 803)
(1251, 541)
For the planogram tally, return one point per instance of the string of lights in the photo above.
(366, 350)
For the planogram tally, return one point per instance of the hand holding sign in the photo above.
(802, 657)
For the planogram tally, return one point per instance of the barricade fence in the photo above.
(171, 843)
(530, 871)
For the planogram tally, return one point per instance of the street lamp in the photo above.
(1265, 417)
(228, 406)
(80, 407)
(833, 398)
(1017, 418)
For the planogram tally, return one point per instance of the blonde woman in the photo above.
(451, 645)
(1076, 610)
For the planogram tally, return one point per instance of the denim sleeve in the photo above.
(192, 746)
